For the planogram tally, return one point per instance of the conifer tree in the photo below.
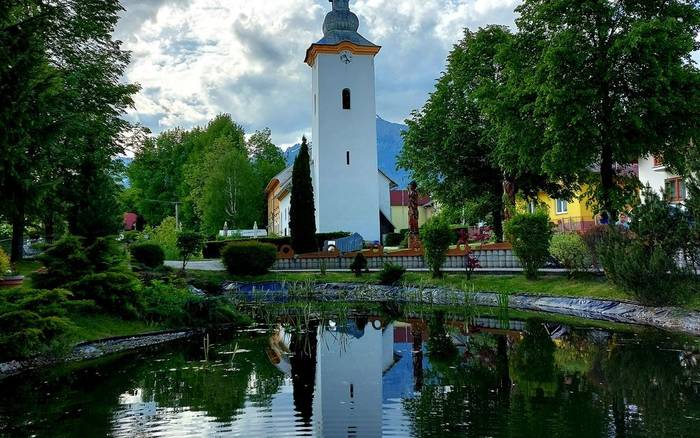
(302, 214)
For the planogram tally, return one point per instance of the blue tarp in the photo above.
(352, 243)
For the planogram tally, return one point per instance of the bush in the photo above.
(393, 239)
(33, 322)
(68, 260)
(359, 264)
(653, 278)
(571, 252)
(115, 292)
(177, 307)
(435, 236)
(593, 237)
(190, 244)
(249, 258)
(165, 235)
(391, 274)
(149, 254)
(4, 263)
(645, 259)
(530, 235)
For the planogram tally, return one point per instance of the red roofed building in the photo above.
(130, 220)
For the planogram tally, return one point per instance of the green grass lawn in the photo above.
(100, 326)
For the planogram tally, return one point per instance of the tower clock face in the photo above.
(345, 57)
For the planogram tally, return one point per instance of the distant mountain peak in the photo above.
(389, 146)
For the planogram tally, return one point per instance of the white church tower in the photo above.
(344, 151)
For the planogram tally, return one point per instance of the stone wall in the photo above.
(489, 259)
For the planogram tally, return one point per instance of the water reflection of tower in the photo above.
(350, 363)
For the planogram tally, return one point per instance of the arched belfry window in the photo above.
(346, 99)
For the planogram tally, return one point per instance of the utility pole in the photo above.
(177, 216)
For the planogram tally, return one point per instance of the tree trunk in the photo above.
(17, 251)
(607, 181)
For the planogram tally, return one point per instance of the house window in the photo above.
(346, 99)
(562, 206)
(658, 162)
(347, 158)
(676, 190)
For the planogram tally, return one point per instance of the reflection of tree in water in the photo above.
(642, 376)
(218, 388)
(303, 360)
(532, 365)
(440, 344)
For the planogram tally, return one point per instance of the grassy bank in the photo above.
(100, 326)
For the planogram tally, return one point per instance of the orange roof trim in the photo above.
(355, 49)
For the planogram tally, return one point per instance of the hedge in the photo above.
(249, 258)
(212, 249)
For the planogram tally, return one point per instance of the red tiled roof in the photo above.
(130, 220)
(399, 198)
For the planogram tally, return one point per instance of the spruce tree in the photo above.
(302, 214)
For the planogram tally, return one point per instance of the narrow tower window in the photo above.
(347, 157)
(346, 99)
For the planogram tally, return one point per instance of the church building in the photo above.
(350, 193)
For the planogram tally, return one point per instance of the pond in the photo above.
(368, 377)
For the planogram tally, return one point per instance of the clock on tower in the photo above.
(344, 152)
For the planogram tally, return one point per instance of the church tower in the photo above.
(344, 151)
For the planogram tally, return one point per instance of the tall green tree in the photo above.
(594, 85)
(302, 213)
(449, 147)
(268, 161)
(63, 72)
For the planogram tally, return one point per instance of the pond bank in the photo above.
(95, 349)
(668, 318)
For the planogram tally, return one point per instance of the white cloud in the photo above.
(197, 58)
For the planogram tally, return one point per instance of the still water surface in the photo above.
(370, 377)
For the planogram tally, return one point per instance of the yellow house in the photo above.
(569, 215)
(399, 209)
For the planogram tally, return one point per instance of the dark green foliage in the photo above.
(177, 307)
(115, 292)
(567, 102)
(393, 239)
(148, 254)
(302, 214)
(190, 244)
(391, 274)
(69, 259)
(33, 322)
(359, 264)
(644, 260)
(212, 249)
(435, 236)
(440, 344)
(530, 234)
(249, 258)
(593, 237)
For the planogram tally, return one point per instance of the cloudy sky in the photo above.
(197, 58)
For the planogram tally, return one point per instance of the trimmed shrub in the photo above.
(436, 236)
(391, 274)
(190, 244)
(249, 258)
(571, 252)
(359, 264)
(33, 322)
(4, 263)
(530, 235)
(393, 239)
(149, 254)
